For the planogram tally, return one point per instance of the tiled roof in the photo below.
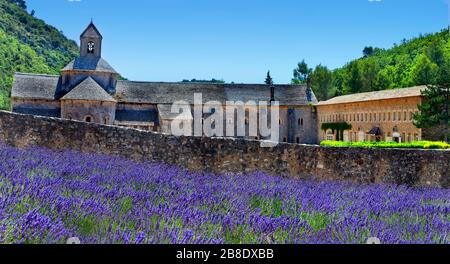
(378, 95)
(34, 86)
(89, 90)
(89, 64)
(167, 93)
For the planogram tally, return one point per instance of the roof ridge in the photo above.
(35, 74)
(376, 95)
(218, 84)
(385, 90)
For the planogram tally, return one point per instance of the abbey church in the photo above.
(88, 89)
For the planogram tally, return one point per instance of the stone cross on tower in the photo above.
(91, 42)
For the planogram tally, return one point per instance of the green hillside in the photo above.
(414, 62)
(28, 44)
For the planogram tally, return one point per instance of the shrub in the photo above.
(412, 145)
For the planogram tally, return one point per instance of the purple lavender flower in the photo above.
(48, 197)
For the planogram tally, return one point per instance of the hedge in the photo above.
(412, 145)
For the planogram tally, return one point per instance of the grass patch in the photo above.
(269, 207)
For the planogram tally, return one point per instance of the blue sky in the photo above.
(239, 40)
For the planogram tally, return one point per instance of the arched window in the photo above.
(88, 119)
(106, 120)
(90, 47)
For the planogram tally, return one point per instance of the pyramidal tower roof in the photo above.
(91, 31)
(89, 64)
(88, 90)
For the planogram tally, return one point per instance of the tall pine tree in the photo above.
(269, 80)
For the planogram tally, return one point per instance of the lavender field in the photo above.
(48, 197)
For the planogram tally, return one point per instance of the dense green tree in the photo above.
(368, 51)
(424, 71)
(321, 82)
(354, 79)
(436, 52)
(269, 80)
(301, 73)
(20, 3)
(383, 80)
(434, 111)
(337, 87)
(369, 72)
(444, 72)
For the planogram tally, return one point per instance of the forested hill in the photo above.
(412, 62)
(28, 44)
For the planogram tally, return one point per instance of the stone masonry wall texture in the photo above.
(412, 167)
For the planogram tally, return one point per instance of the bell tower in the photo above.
(89, 64)
(91, 42)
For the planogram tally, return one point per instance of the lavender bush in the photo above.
(48, 197)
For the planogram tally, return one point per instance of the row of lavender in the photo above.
(47, 197)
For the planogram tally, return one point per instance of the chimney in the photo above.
(308, 90)
(272, 93)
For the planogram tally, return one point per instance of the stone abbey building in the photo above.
(88, 89)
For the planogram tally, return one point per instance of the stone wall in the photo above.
(413, 167)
